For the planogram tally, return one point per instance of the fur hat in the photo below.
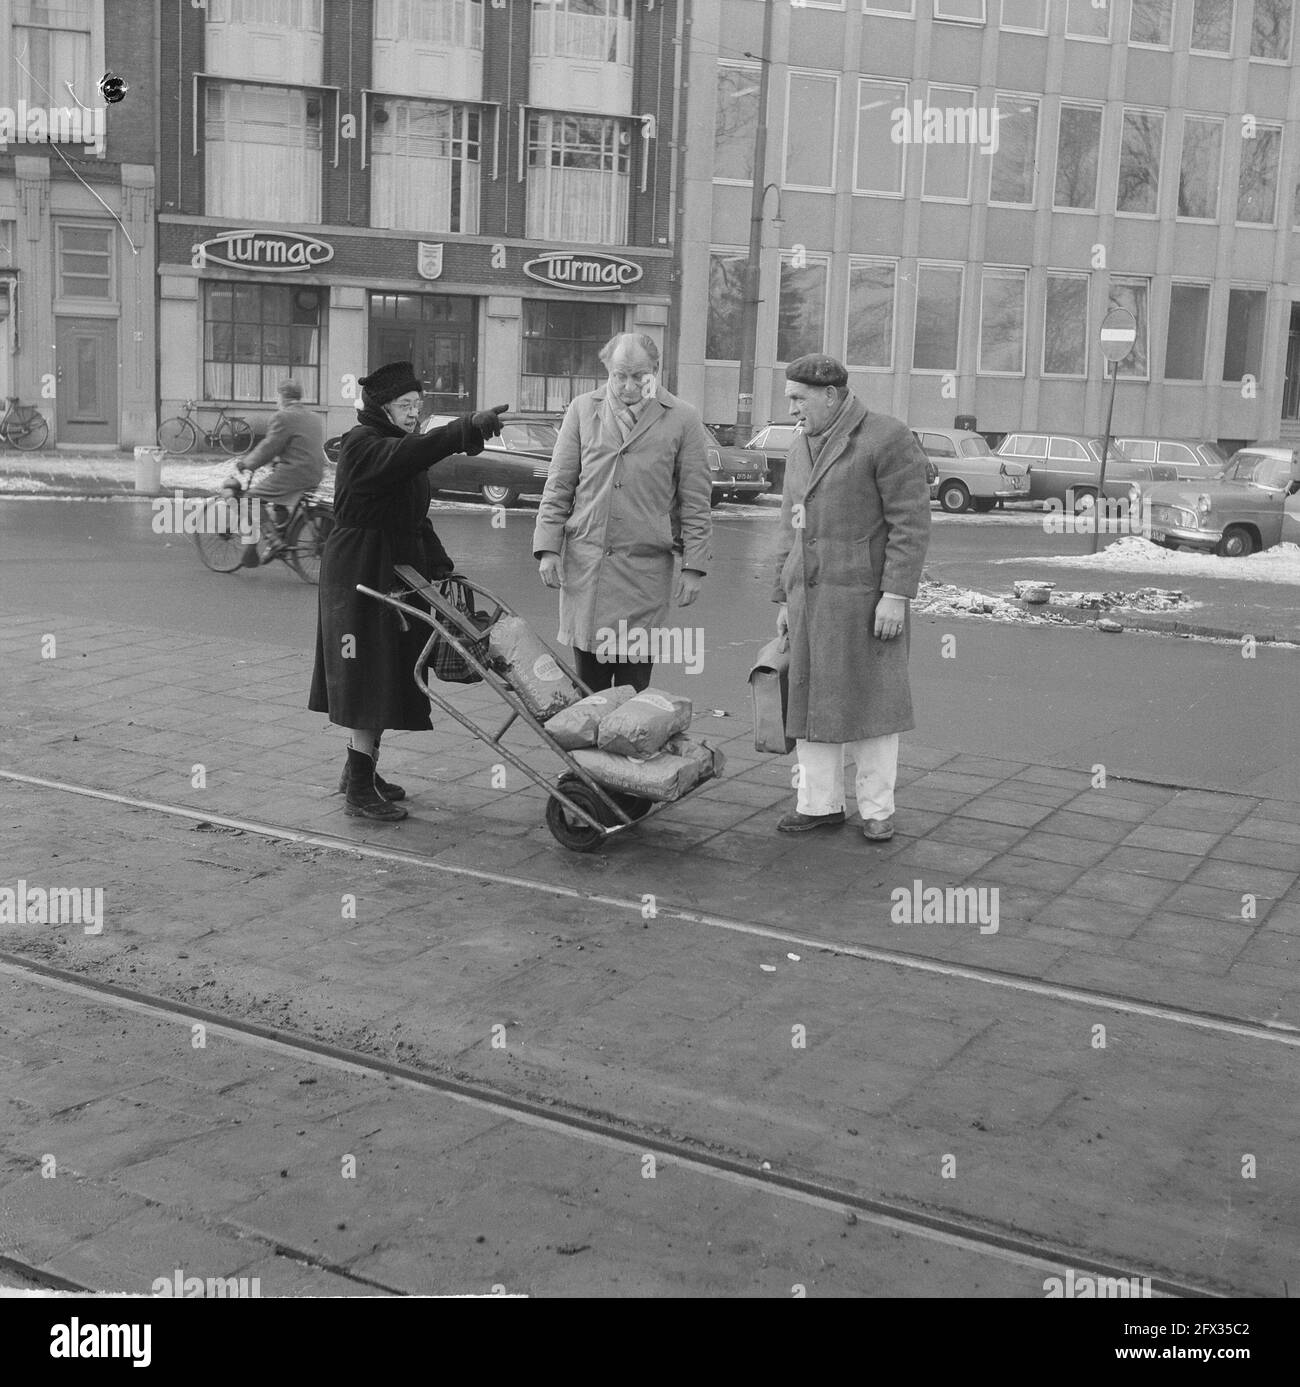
(816, 369)
(389, 381)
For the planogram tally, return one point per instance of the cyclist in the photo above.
(294, 447)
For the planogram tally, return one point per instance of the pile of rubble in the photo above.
(1040, 602)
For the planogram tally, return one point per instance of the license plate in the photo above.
(1157, 535)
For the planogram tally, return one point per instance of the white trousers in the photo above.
(821, 782)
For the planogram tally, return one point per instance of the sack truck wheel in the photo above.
(568, 830)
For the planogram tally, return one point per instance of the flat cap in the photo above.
(817, 369)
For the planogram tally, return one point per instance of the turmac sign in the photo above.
(274, 252)
(585, 271)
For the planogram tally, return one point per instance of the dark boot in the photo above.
(363, 798)
(385, 787)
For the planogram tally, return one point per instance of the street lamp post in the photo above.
(749, 306)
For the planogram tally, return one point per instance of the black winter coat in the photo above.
(364, 660)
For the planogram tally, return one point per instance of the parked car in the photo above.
(1247, 507)
(737, 474)
(1194, 459)
(1063, 462)
(966, 475)
(514, 464)
(773, 441)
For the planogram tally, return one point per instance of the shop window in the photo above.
(256, 335)
(263, 153)
(85, 262)
(1201, 169)
(736, 121)
(726, 305)
(1257, 181)
(591, 29)
(52, 50)
(424, 166)
(458, 23)
(561, 351)
(801, 311)
(1212, 22)
(1065, 326)
(577, 178)
(1189, 310)
(871, 314)
(938, 317)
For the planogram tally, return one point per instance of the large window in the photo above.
(938, 317)
(1212, 22)
(947, 164)
(457, 23)
(50, 50)
(871, 314)
(1015, 161)
(880, 163)
(268, 14)
(735, 123)
(256, 335)
(424, 167)
(965, 11)
(810, 130)
(1086, 20)
(1270, 30)
(1065, 325)
(1189, 310)
(577, 178)
(85, 262)
(1243, 346)
(562, 343)
(262, 153)
(1151, 22)
(801, 313)
(1132, 293)
(1201, 168)
(1002, 322)
(1257, 181)
(1030, 15)
(599, 29)
(726, 305)
(1078, 143)
(1138, 190)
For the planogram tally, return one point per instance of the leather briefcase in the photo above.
(768, 689)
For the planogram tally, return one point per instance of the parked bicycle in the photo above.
(23, 426)
(230, 433)
(296, 541)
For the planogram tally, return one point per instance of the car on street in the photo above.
(966, 474)
(1060, 463)
(1249, 506)
(513, 464)
(773, 441)
(1194, 458)
(735, 474)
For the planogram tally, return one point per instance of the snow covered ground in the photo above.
(1133, 554)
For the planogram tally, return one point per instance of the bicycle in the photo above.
(297, 543)
(23, 426)
(230, 433)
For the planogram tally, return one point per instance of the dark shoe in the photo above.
(250, 558)
(800, 823)
(385, 787)
(878, 830)
(363, 797)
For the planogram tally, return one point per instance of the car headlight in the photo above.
(715, 461)
(1203, 504)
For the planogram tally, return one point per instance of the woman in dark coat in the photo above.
(364, 660)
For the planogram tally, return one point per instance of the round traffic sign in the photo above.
(1118, 334)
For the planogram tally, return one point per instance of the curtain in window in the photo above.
(421, 179)
(577, 205)
(262, 154)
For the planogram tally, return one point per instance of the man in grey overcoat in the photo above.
(855, 523)
(294, 448)
(628, 488)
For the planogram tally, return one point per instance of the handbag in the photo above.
(446, 662)
(769, 683)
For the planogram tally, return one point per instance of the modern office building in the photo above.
(77, 285)
(485, 187)
(957, 191)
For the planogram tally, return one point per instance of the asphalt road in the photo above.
(1158, 708)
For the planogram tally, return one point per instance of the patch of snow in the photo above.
(1280, 564)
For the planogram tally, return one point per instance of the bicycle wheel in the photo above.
(177, 435)
(28, 432)
(234, 436)
(304, 543)
(218, 540)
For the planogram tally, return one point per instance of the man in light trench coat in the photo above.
(628, 487)
(855, 523)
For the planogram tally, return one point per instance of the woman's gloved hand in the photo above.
(488, 421)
